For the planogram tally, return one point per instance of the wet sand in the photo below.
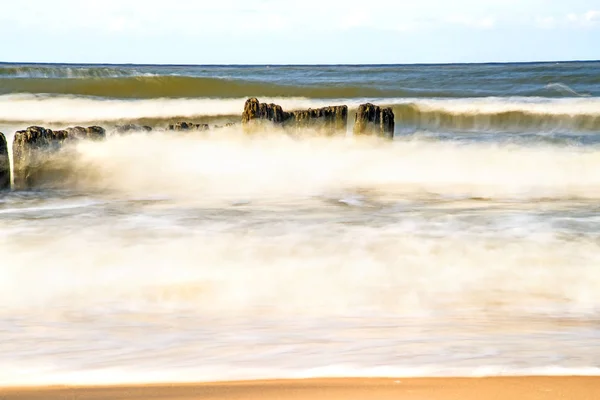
(517, 388)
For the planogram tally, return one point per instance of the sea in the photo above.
(469, 245)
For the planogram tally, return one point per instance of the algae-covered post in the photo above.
(387, 123)
(93, 133)
(188, 126)
(330, 119)
(4, 163)
(371, 119)
(130, 128)
(35, 150)
(253, 110)
(28, 148)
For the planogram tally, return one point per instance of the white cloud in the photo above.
(592, 16)
(585, 20)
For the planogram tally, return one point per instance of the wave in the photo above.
(200, 167)
(500, 115)
(481, 114)
(134, 84)
(184, 86)
(272, 172)
(231, 253)
(67, 72)
(565, 89)
(293, 267)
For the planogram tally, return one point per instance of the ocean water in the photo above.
(467, 246)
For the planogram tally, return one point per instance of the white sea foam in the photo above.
(72, 109)
(230, 165)
(215, 373)
(235, 257)
(280, 173)
(491, 105)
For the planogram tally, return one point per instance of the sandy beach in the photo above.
(521, 388)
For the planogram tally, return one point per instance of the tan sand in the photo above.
(509, 388)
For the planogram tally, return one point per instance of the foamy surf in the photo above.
(218, 373)
(490, 114)
(230, 253)
(229, 167)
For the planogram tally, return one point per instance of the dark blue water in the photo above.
(563, 79)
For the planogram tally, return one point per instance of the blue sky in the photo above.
(302, 32)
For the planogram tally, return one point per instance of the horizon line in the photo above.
(302, 65)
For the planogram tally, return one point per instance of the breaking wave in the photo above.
(133, 84)
(68, 72)
(230, 166)
(184, 86)
(487, 114)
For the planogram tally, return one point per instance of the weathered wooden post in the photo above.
(35, 150)
(4, 163)
(371, 119)
(331, 119)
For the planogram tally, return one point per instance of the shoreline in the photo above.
(467, 388)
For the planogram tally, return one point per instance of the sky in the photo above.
(298, 32)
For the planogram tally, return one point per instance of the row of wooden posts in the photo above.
(32, 146)
(370, 119)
